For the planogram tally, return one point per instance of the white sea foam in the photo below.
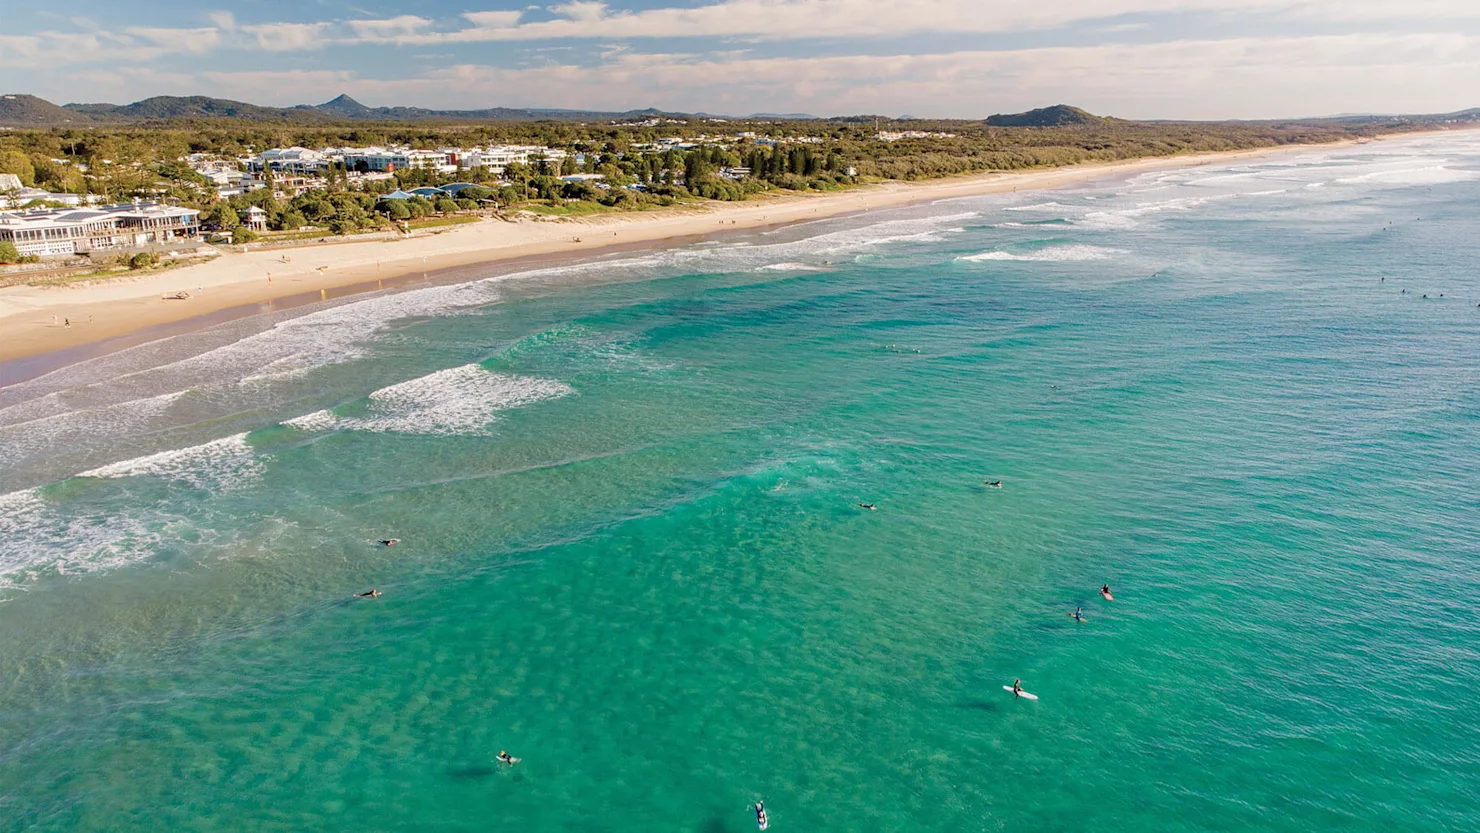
(1420, 175)
(218, 464)
(43, 424)
(1052, 254)
(789, 267)
(460, 400)
(37, 539)
(1045, 207)
(316, 421)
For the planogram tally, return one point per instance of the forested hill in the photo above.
(1059, 115)
(19, 110)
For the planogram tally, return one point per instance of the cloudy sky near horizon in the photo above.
(1192, 59)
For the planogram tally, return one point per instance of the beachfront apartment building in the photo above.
(293, 160)
(376, 159)
(498, 157)
(65, 231)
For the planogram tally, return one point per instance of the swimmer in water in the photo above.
(389, 542)
(372, 593)
(869, 506)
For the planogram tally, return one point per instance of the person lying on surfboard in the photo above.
(760, 815)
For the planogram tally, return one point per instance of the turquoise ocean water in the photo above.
(632, 556)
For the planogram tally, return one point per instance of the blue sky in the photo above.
(947, 58)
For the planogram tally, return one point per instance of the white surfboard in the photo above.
(1023, 694)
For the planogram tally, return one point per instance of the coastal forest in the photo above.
(654, 162)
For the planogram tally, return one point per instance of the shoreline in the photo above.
(112, 315)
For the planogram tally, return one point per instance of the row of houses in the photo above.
(309, 162)
(65, 231)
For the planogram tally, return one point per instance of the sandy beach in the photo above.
(33, 320)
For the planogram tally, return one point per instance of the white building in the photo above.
(64, 231)
(498, 157)
(366, 160)
(23, 196)
(294, 160)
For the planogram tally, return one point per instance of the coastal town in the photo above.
(349, 189)
(121, 196)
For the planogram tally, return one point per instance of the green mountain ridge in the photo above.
(1059, 115)
(30, 111)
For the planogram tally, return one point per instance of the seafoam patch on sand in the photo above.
(457, 401)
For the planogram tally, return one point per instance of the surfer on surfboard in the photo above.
(869, 506)
(1105, 591)
(1017, 688)
(1078, 614)
(760, 815)
(507, 758)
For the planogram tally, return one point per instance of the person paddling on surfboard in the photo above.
(869, 506)
(760, 815)
(372, 593)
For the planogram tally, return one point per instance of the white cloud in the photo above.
(581, 10)
(225, 21)
(1209, 79)
(193, 41)
(56, 48)
(801, 19)
(399, 25)
(493, 20)
(286, 37)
